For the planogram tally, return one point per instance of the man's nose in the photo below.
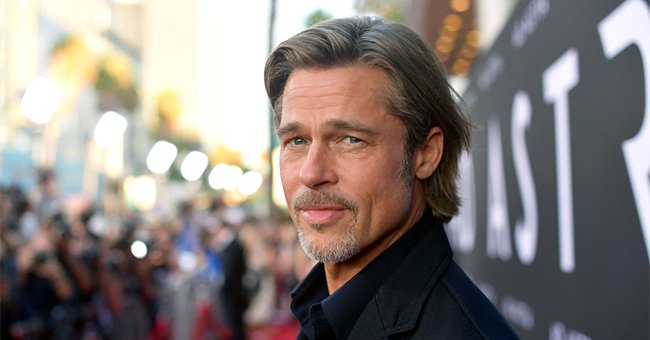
(318, 167)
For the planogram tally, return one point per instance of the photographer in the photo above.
(43, 284)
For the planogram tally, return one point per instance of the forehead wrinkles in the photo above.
(322, 83)
(312, 97)
(342, 87)
(346, 80)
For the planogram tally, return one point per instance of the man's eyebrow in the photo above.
(290, 127)
(351, 126)
(338, 124)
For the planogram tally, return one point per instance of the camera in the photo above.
(41, 257)
(60, 224)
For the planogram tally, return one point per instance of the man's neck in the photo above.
(338, 274)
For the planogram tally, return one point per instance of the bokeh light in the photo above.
(109, 130)
(193, 166)
(41, 100)
(161, 157)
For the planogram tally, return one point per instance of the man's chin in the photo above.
(331, 252)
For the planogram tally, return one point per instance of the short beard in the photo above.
(333, 252)
(336, 252)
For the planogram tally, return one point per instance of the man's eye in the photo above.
(297, 141)
(353, 140)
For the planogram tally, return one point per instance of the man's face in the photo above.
(341, 163)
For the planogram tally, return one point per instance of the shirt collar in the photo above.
(344, 307)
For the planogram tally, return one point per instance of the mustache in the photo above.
(321, 198)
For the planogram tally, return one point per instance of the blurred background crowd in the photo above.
(68, 271)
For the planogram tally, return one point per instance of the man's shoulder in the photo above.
(458, 308)
(452, 307)
(431, 298)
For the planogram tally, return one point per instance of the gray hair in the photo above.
(418, 92)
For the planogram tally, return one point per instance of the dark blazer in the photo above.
(430, 297)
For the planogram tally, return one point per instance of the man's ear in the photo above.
(428, 156)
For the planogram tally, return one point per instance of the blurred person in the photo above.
(163, 266)
(189, 279)
(208, 282)
(80, 249)
(79, 314)
(46, 196)
(187, 230)
(81, 253)
(45, 290)
(18, 220)
(13, 203)
(286, 268)
(258, 277)
(7, 299)
(234, 297)
(126, 284)
(371, 136)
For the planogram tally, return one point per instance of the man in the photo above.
(371, 137)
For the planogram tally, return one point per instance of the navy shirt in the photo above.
(324, 316)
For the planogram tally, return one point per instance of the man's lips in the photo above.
(321, 214)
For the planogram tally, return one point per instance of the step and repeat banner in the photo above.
(555, 226)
